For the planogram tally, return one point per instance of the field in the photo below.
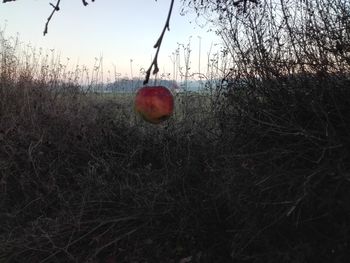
(83, 179)
(257, 173)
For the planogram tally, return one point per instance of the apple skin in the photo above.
(154, 103)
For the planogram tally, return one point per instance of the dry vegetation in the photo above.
(261, 176)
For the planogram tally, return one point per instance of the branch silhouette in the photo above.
(86, 3)
(157, 46)
(56, 7)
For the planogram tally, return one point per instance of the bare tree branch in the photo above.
(86, 3)
(157, 46)
(55, 8)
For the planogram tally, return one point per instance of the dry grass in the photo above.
(261, 176)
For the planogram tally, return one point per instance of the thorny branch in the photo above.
(157, 46)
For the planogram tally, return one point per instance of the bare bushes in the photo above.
(285, 120)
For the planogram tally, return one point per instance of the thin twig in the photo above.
(157, 46)
(55, 8)
(86, 3)
(236, 3)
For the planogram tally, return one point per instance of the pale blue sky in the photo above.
(120, 30)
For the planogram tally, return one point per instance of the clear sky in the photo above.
(119, 30)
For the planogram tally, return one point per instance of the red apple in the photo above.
(154, 103)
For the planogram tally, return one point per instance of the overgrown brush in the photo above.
(263, 176)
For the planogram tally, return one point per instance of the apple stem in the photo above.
(157, 46)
